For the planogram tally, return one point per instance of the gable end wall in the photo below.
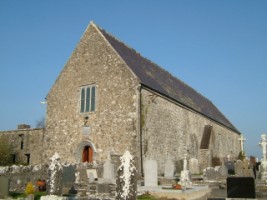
(114, 123)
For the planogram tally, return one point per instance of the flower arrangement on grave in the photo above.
(177, 186)
(29, 188)
(41, 184)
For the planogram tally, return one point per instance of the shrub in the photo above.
(5, 152)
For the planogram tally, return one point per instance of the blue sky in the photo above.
(217, 47)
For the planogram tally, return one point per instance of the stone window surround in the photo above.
(21, 141)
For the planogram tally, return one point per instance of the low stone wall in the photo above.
(80, 180)
(20, 176)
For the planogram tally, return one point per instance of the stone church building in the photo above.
(109, 99)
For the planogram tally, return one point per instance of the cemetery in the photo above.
(128, 130)
(238, 179)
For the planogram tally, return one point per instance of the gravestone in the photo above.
(246, 168)
(68, 173)
(223, 171)
(263, 168)
(185, 173)
(193, 166)
(109, 175)
(210, 174)
(169, 169)
(263, 145)
(126, 188)
(151, 173)
(77, 177)
(179, 166)
(239, 168)
(91, 175)
(241, 187)
(185, 178)
(230, 166)
(4, 187)
(55, 171)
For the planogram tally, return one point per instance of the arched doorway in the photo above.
(87, 154)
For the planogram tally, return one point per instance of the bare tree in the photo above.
(40, 123)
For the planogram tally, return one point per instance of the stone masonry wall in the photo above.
(32, 144)
(20, 176)
(169, 131)
(112, 127)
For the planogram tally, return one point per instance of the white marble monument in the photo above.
(194, 166)
(151, 173)
(242, 140)
(109, 171)
(263, 144)
(169, 169)
(185, 174)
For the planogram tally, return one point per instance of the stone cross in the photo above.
(263, 144)
(242, 140)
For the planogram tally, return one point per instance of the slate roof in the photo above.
(156, 78)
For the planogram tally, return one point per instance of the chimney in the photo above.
(24, 126)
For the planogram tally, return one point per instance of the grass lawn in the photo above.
(16, 195)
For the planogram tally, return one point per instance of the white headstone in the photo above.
(91, 175)
(109, 175)
(77, 177)
(151, 173)
(169, 169)
(263, 170)
(193, 166)
(210, 174)
(185, 178)
(223, 171)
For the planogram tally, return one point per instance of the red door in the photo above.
(87, 155)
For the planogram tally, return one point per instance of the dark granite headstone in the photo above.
(179, 166)
(230, 166)
(103, 188)
(241, 187)
(68, 174)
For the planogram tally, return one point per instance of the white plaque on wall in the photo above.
(86, 130)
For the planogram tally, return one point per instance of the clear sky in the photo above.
(217, 47)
